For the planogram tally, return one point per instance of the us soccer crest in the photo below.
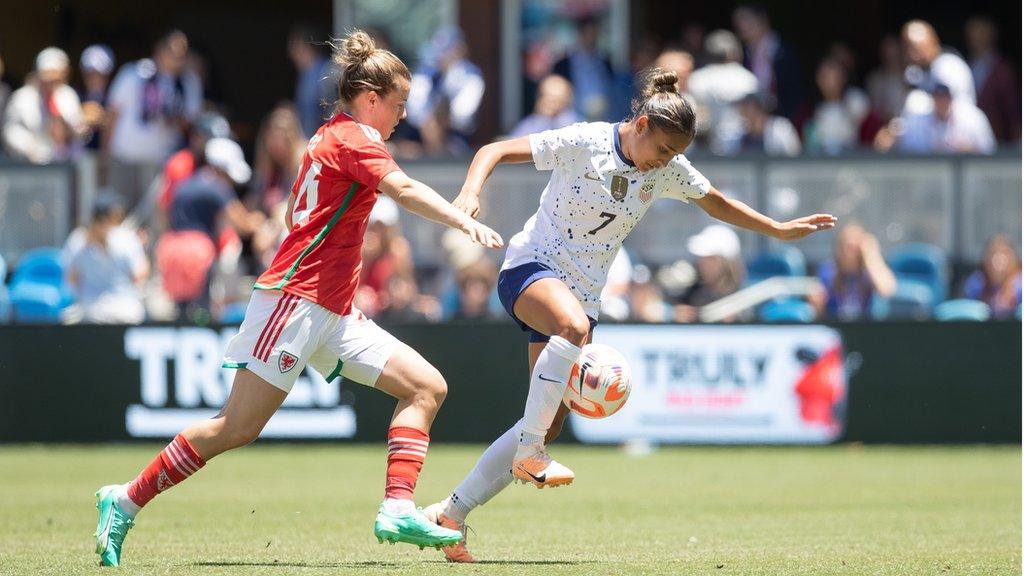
(620, 185)
(286, 362)
(646, 192)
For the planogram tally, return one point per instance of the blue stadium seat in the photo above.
(790, 310)
(36, 303)
(924, 263)
(780, 261)
(42, 266)
(963, 309)
(913, 300)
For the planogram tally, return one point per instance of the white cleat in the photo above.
(541, 470)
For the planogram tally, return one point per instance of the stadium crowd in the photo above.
(217, 220)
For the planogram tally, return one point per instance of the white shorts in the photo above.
(282, 333)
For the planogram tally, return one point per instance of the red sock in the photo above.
(407, 447)
(176, 462)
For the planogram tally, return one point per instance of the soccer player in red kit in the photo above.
(301, 310)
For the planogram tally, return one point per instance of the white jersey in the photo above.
(592, 202)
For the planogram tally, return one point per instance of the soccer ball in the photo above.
(599, 383)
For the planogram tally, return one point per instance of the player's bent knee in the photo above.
(574, 328)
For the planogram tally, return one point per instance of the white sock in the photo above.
(399, 506)
(126, 504)
(547, 385)
(491, 474)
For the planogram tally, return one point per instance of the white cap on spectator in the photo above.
(715, 240)
(51, 59)
(384, 211)
(97, 58)
(226, 155)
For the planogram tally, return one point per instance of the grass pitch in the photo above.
(287, 509)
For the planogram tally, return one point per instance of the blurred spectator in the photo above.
(385, 253)
(952, 127)
(403, 303)
(590, 73)
(997, 281)
(183, 163)
(717, 89)
(995, 82)
(314, 87)
(679, 62)
(691, 40)
(96, 65)
(615, 294)
(553, 109)
(857, 273)
(764, 132)
(476, 282)
(446, 93)
(885, 84)
(646, 303)
(929, 65)
(772, 61)
(43, 122)
(202, 206)
(279, 148)
(720, 270)
(152, 102)
(106, 265)
(835, 126)
(5, 90)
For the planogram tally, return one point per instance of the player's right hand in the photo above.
(482, 235)
(468, 202)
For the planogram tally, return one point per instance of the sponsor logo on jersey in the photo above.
(286, 362)
(593, 176)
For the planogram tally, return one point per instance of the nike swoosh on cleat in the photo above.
(541, 376)
(540, 478)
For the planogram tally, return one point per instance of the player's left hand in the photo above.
(796, 229)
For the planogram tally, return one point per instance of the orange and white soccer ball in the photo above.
(600, 382)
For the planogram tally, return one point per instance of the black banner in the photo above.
(908, 382)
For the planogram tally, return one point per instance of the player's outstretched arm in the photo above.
(515, 151)
(737, 213)
(422, 200)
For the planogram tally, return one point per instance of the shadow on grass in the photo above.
(380, 564)
(367, 564)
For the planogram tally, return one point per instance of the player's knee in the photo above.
(574, 327)
(433, 389)
(240, 434)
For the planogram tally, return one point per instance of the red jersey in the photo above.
(335, 190)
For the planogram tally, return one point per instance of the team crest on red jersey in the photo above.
(286, 362)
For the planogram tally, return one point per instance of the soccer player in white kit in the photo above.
(604, 178)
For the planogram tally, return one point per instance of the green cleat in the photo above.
(413, 528)
(112, 527)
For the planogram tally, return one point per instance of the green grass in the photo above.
(287, 509)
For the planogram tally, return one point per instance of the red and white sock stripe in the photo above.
(274, 326)
(179, 456)
(408, 447)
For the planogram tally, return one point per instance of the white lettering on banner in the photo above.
(151, 347)
(313, 409)
(726, 384)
